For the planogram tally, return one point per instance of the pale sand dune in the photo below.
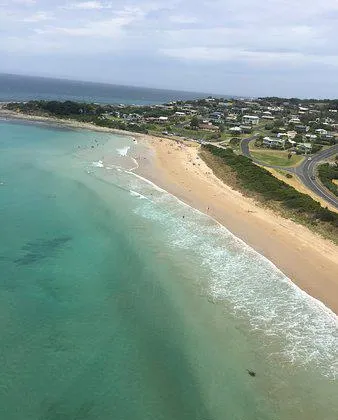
(307, 259)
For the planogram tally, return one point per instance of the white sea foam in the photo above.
(244, 279)
(252, 285)
(98, 164)
(136, 194)
(123, 151)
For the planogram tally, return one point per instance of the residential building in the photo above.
(274, 142)
(163, 119)
(321, 132)
(294, 120)
(250, 119)
(291, 134)
(302, 128)
(304, 147)
(235, 130)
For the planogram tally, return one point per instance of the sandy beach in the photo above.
(307, 259)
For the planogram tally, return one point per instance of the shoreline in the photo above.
(58, 122)
(308, 260)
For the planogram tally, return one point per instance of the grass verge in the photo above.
(328, 174)
(276, 157)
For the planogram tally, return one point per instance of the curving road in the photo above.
(306, 171)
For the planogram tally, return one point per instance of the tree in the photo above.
(221, 128)
(298, 138)
(194, 123)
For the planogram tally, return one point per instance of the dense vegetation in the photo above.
(91, 113)
(327, 173)
(259, 181)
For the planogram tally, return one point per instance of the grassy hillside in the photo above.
(255, 181)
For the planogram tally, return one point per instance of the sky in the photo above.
(235, 47)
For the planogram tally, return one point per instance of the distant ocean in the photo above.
(24, 88)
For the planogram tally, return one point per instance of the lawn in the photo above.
(276, 157)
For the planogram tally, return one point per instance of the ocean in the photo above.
(24, 88)
(114, 306)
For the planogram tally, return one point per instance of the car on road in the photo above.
(313, 177)
(309, 158)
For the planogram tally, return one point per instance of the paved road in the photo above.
(306, 171)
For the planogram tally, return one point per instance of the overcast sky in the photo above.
(236, 47)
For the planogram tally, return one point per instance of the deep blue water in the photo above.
(24, 88)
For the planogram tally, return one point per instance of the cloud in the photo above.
(24, 2)
(251, 57)
(38, 17)
(86, 5)
(106, 28)
(241, 35)
(183, 19)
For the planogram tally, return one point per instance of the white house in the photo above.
(311, 136)
(237, 130)
(275, 142)
(294, 120)
(250, 119)
(163, 119)
(321, 131)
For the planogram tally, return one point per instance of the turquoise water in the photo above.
(114, 306)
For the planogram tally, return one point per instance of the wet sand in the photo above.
(307, 259)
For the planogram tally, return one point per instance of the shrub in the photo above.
(258, 180)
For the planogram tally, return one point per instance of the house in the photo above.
(291, 134)
(250, 119)
(302, 128)
(294, 120)
(321, 132)
(274, 143)
(235, 130)
(162, 119)
(216, 116)
(208, 126)
(231, 117)
(328, 137)
(304, 147)
(246, 129)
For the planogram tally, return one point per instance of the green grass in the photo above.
(328, 174)
(255, 181)
(276, 157)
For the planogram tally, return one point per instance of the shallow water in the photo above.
(115, 306)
